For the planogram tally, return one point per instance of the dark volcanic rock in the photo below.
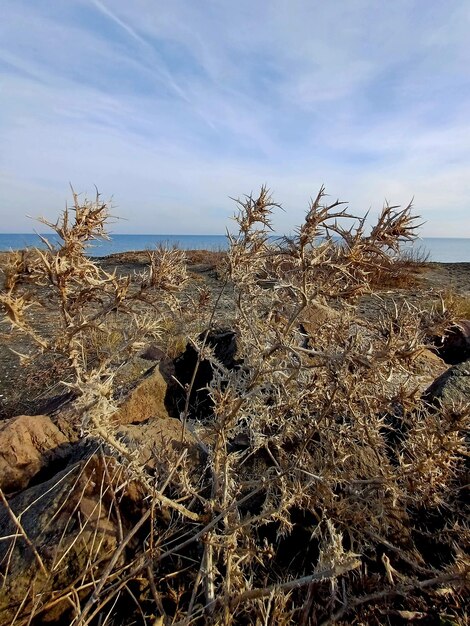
(453, 386)
(224, 344)
(454, 346)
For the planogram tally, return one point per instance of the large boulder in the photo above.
(70, 528)
(452, 387)
(27, 445)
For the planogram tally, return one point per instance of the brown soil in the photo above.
(20, 390)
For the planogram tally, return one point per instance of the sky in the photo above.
(172, 108)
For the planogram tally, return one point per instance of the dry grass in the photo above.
(212, 258)
(323, 484)
(457, 305)
(408, 268)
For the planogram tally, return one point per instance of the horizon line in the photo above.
(111, 235)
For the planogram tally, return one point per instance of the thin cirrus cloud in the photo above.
(173, 108)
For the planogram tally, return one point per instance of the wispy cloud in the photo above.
(130, 31)
(145, 45)
(175, 108)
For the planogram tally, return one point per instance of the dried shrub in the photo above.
(321, 478)
(99, 318)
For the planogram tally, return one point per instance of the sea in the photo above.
(437, 249)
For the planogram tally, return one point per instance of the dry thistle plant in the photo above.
(323, 464)
(322, 481)
(100, 318)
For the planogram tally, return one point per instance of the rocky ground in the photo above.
(50, 478)
(448, 276)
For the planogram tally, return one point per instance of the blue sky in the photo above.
(173, 107)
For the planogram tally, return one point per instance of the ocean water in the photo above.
(445, 250)
(121, 243)
(440, 250)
